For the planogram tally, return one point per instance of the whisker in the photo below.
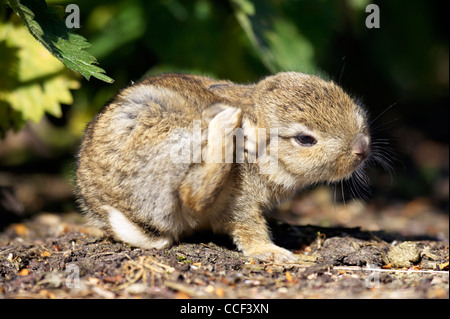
(357, 187)
(385, 164)
(381, 126)
(382, 139)
(342, 191)
(362, 180)
(380, 143)
(384, 155)
(351, 189)
(381, 114)
(354, 187)
(334, 199)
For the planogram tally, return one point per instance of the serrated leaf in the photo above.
(36, 82)
(46, 26)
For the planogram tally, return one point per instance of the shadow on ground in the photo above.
(53, 256)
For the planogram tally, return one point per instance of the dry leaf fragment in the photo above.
(93, 280)
(289, 277)
(46, 254)
(115, 279)
(220, 292)
(24, 272)
(20, 229)
(47, 294)
(443, 266)
(209, 289)
(181, 295)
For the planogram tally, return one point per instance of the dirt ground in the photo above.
(57, 256)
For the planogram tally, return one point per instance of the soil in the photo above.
(56, 256)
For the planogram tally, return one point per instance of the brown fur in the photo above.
(125, 175)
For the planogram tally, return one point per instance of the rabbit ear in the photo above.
(238, 95)
(209, 113)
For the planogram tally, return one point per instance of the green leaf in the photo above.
(277, 40)
(245, 13)
(124, 25)
(33, 81)
(49, 29)
(290, 50)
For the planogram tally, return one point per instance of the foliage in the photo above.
(278, 41)
(46, 26)
(404, 62)
(33, 81)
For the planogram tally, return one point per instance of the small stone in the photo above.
(404, 255)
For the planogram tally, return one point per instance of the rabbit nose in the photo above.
(361, 147)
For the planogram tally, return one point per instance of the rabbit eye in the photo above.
(305, 140)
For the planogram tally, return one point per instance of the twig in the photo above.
(140, 269)
(392, 270)
(183, 288)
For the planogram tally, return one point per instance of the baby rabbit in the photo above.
(288, 131)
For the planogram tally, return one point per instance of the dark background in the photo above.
(403, 64)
